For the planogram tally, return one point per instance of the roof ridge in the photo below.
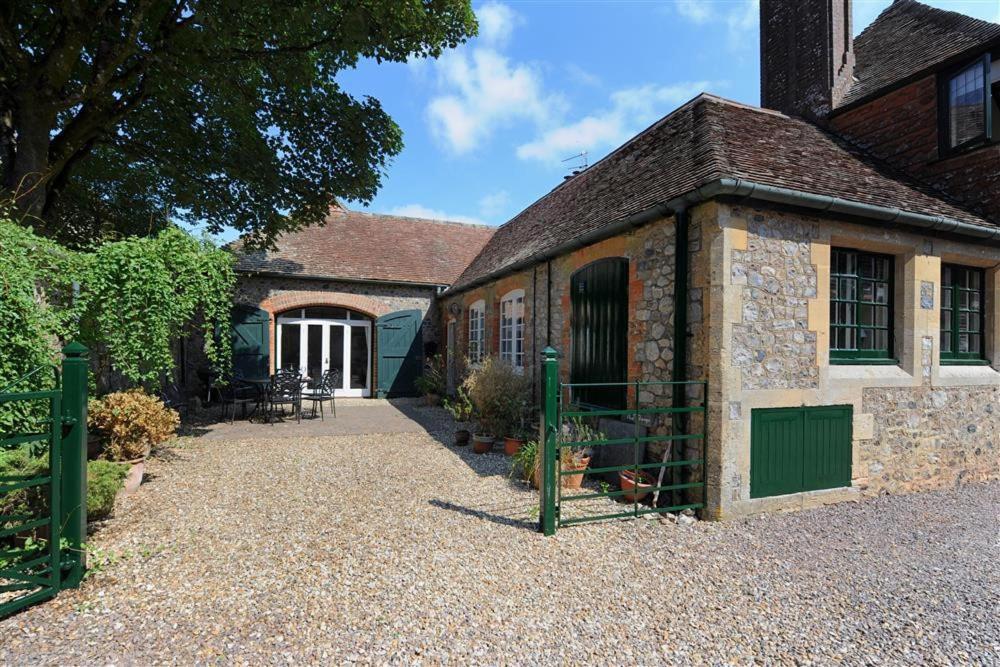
(437, 221)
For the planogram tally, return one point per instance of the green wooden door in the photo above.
(400, 353)
(599, 297)
(799, 449)
(251, 342)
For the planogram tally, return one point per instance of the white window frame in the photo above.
(477, 331)
(512, 328)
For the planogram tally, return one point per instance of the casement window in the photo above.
(512, 328)
(970, 105)
(477, 331)
(962, 316)
(861, 286)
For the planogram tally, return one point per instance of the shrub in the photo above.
(527, 459)
(434, 380)
(460, 408)
(33, 500)
(132, 422)
(499, 394)
(104, 480)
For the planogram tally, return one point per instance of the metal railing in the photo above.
(565, 431)
(41, 541)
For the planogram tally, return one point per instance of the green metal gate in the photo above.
(799, 449)
(568, 428)
(41, 539)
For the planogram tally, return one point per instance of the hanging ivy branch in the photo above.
(131, 299)
(141, 293)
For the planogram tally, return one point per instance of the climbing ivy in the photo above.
(129, 299)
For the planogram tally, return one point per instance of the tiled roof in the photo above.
(908, 38)
(706, 139)
(365, 246)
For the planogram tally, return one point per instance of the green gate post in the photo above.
(550, 365)
(74, 462)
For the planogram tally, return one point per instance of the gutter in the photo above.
(747, 189)
(333, 279)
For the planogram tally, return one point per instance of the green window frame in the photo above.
(963, 316)
(861, 307)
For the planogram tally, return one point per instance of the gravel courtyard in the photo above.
(398, 548)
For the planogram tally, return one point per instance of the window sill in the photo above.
(870, 374)
(864, 362)
(962, 151)
(965, 375)
(965, 362)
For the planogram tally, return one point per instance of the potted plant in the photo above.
(131, 423)
(571, 459)
(498, 393)
(512, 443)
(527, 463)
(635, 484)
(460, 408)
(482, 443)
(433, 383)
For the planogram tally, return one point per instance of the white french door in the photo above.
(312, 346)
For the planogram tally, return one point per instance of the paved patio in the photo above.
(395, 547)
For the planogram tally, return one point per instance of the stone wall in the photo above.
(931, 437)
(772, 344)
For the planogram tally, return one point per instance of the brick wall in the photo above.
(901, 128)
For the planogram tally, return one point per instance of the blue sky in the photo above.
(486, 126)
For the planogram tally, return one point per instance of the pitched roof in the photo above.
(908, 38)
(365, 246)
(706, 139)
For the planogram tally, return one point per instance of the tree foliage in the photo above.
(118, 116)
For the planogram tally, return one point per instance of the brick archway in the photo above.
(304, 299)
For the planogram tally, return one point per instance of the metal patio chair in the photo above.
(329, 382)
(285, 389)
(238, 393)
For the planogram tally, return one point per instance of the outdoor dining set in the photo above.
(270, 397)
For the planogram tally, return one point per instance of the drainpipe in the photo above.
(679, 369)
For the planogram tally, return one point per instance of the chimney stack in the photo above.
(806, 55)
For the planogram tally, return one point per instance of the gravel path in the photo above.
(398, 548)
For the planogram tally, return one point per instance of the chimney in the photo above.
(806, 55)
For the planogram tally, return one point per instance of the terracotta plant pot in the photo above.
(462, 436)
(575, 481)
(135, 472)
(635, 490)
(482, 444)
(512, 446)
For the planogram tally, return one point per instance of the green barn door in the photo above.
(599, 297)
(799, 449)
(400, 353)
(251, 342)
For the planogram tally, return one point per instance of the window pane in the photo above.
(966, 105)
(881, 293)
(359, 357)
(975, 343)
(882, 316)
(867, 291)
(867, 316)
(290, 346)
(865, 337)
(335, 353)
(882, 339)
(963, 343)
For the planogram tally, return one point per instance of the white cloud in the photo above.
(481, 90)
(740, 17)
(496, 23)
(698, 11)
(582, 76)
(421, 211)
(630, 110)
(494, 205)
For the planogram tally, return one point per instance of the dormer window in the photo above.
(969, 100)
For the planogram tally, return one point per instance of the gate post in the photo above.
(550, 429)
(74, 461)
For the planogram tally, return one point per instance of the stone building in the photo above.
(829, 264)
(354, 294)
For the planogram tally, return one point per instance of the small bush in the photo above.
(131, 422)
(435, 379)
(33, 500)
(461, 407)
(104, 480)
(527, 459)
(499, 395)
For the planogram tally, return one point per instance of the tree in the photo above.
(120, 115)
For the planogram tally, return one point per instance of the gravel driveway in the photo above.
(398, 548)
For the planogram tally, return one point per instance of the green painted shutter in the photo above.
(799, 449)
(599, 298)
(251, 342)
(400, 353)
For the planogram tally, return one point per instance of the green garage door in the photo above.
(799, 449)
(251, 342)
